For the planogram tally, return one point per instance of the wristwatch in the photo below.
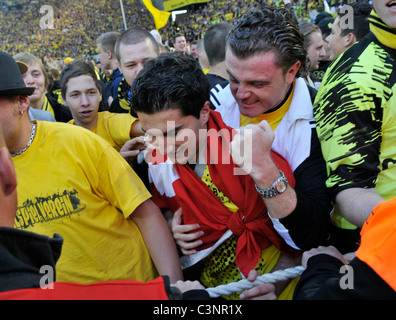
(278, 186)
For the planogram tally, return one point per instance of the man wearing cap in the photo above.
(71, 182)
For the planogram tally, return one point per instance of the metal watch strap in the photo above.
(272, 191)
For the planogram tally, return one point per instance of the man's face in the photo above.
(8, 119)
(83, 98)
(175, 135)
(194, 51)
(35, 78)
(133, 57)
(257, 83)
(103, 57)
(386, 9)
(316, 51)
(180, 44)
(337, 43)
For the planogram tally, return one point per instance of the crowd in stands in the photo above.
(77, 24)
(311, 96)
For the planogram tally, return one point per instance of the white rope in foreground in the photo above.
(245, 284)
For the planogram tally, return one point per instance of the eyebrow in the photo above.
(252, 82)
(136, 60)
(93, 88)
(166, 133)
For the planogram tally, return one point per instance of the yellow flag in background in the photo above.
(160, 17)
(326, 6)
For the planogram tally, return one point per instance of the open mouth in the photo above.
(391, 4)
(86, 113)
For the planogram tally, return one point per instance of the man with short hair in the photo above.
(342, 36)
(264, 66)
(109, 234)
(81, 92)
(133, 49)
(105, 47)
(265, 56)
(214, 41)
(355, 114)
(197, 179)
(180, 43)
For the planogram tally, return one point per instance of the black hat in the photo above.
(325, 25)
(322, 15)
(11, 81)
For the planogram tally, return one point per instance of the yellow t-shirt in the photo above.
(113, 127)
(84, 191)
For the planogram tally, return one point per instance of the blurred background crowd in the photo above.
(78, 23)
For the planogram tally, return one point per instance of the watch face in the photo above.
(281, 186)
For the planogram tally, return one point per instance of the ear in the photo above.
(350, 39)
(24, 104)
(291, 73)
(109, 54)
(204, 115)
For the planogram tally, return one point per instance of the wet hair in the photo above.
(134, 36)
(269, 29)
(171, 81)
(76, 68)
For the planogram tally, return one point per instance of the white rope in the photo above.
(245, 284)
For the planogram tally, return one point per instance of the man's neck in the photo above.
(219, 69)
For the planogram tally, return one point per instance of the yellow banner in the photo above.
(160, 17)
(170, 5)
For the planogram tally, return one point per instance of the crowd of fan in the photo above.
(77, 24)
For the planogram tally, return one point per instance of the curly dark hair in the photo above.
(266, 29)
(171, 81)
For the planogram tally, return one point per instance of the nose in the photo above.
(28, 79)
(241, 92)
(139, 68)
(322, 52)
(84, 100)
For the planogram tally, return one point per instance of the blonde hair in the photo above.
(31, 59)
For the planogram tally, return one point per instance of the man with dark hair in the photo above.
(81, 92)
(214, 41)
(105, 47)
(198, 181)
(355, 113)
(356, 27)
(133, 49)
(325, 26)
(81, 195)
(180, 43)
(265, 57)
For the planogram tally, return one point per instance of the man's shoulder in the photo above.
(220, 94)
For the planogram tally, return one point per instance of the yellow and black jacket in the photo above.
(355, 111)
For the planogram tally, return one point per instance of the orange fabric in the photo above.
(109, 290)
(378, 241)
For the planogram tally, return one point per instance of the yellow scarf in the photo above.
(385, 34)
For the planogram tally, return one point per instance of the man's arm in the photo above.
(301, 214)
(158, 239)
(356, 204)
